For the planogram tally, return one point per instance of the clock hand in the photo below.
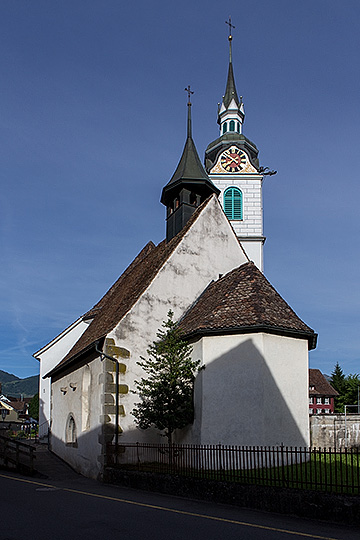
(235, 160)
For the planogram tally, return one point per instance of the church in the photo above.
(209, 271)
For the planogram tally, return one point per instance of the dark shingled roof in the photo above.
(190, 171)
(230, 91)
(321, 386)
(244, 301)
(119, 299)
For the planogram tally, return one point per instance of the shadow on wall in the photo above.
(44, 425)
(237, 402)
(243, 404)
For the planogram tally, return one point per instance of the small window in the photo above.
(224, 127)
(238, 127)
(311, 400)
(318, 400)
(233, 203)
(327, 411)
(70, 435)
(232, 125)
(326, 401)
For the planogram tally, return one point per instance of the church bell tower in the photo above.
(189, 186)
(233, 166)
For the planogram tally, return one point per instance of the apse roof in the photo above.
(244, 301)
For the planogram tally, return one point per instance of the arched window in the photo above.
(70, 432)
(233, 204)
(232, 125)
(224, 127)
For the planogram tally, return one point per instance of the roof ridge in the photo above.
(113, 309)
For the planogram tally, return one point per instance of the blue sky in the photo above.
(93, 120)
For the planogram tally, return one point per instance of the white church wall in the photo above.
(78, 395)
(49, 356)
(253, 391)
(208, 249)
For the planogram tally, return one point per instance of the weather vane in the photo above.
(189, 92)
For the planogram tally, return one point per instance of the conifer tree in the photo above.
(166, 392)
(347, 386)
(338, 382)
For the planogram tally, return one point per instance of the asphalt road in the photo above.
(82, 509)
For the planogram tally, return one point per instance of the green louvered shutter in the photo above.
(233, 203)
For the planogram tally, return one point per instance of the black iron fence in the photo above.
(281, 466)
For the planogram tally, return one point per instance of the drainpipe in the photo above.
(117, 377)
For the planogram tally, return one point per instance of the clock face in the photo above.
(233, 159)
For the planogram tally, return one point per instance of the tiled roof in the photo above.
(19, 405)
(119, 299)
(243, 301)
(321, 385)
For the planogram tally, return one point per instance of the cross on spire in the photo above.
(230, 27)
(189, 92)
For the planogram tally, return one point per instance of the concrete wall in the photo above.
(334, 507)
(330, 431)
(253, 391)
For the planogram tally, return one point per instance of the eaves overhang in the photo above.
(256, 329)
(77, 358)
(204, 186)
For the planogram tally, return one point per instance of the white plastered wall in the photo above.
(253, 391)
(49, 356)
(68, 397)
(208, 249)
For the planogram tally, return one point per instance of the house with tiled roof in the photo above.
(208, 271)
(321, 393)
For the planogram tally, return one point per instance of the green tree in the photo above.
(338, 382)
(34, 407)
(347, 386)
(166, 392)
(352, 391)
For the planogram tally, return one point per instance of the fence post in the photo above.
(137, 456)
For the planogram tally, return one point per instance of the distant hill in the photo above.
(14, 386)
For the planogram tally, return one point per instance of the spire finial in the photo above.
(230, 36)
(189, 92)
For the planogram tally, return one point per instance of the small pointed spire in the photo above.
(188, 187)
(230, 92)
(189, 127)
